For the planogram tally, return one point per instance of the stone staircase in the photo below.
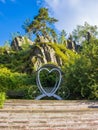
(49, 115)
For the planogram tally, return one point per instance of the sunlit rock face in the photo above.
(35, 54)
(43, 54)
(19, 41)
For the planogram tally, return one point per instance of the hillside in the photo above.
(18, 68)
(26, 56)
(20, 61)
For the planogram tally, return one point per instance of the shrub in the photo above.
(82, 76)
(16, 83)
(2, 99)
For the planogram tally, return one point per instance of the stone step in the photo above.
(49, 115)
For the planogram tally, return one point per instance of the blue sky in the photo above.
(69, 13)
(13, 14)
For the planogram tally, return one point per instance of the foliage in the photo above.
(25, 44)
(32, 92)
(2, 99)
(16, 60)
(82, 33)
(66, 55)
(41, 25)
(62, 38)
(80, 71)
(82, 76)
(10, 81)
(15, 82)
(48, 79)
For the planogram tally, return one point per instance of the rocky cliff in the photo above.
(19, 41)
(44, 53)
(35, 55)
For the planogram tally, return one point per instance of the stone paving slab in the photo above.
(49, 115)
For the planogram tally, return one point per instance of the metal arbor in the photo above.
(50, 90)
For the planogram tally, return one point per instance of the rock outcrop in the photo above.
(43, 53)
(44, 39)
(19, 41)
(70, 44)
(38, 54)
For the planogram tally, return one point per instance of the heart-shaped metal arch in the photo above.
(56, 86)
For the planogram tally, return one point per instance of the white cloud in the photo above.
(73, 12)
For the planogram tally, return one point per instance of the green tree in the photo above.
(25, 27)
(82, 33)
(81, 77)
(62, 38)
(41, 25)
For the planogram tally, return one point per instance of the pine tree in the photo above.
(42, 24)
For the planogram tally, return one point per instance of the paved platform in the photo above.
(49, 115)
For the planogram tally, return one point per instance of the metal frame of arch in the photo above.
(56, 86)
